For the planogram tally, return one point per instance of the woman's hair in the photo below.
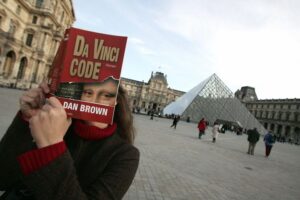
(123, 116)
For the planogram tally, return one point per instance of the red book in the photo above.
(85, 74)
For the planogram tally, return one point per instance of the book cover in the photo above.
(85, 74)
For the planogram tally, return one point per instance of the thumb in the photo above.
(53, 101)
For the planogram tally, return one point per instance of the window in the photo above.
(287, 116)
(266, 114)
(279, 116)
(39, 3)
(22, 68)
(273, 115)
(34, 19)
(12, 28)
(297, 117)
(29, 39)
(18, 10)
(62, 16)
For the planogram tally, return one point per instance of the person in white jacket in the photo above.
(215, 131)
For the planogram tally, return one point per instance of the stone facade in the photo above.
(151, 96)
(30, 33)
(282, 116)
(246, 94)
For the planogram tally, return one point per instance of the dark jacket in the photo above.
(88, 169)
(269, 139)
(253, 136)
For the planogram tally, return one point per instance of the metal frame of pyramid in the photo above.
(213, 100)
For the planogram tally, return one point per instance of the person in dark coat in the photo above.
(175, 121)
(253, 138)
(269, 142)
(46, 155)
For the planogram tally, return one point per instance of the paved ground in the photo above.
(176, 165)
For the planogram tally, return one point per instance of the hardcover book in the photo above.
(85, 74)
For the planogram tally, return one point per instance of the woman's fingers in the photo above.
(27, 101)
(53, 101)
(44, 86)
(46, 107)
(33, 100)
(50, 124)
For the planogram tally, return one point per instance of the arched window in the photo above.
(9, 64)
(22, 68)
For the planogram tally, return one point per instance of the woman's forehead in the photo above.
(105, 85)
(101, 84)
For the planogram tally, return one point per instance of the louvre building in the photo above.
(30, 33)
(214, 101)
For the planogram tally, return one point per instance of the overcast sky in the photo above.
(245, 42)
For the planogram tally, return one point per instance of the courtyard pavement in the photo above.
(175, 164)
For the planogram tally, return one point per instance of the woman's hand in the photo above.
(33, 100)
(50, 124)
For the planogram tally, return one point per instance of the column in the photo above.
(276, 129)
(41, 42)
(40, 70)
(292, 132)
(34, 71)
(269, 126)
(15, 69)
(283, 131)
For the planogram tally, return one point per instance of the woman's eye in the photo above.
(109, 95)
(87, 93)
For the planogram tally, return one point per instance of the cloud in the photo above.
(244, 42)
(140, 45)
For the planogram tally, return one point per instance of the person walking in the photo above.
(175, 121)
(269, 142)
(253, 138)
(201, 127)
(151, 114)
(215, 132)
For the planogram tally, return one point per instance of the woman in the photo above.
(46, 155)
(215, 132)
(201, 127)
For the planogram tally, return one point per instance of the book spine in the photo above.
(57, 65)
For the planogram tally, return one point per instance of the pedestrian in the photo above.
(215, 131)
(201, 127)
(151, 114)
(46, 155)
(253, 138)
(175, 121)
(269, 142)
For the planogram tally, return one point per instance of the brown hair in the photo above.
(123, 117)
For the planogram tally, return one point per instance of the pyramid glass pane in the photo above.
(213, 100)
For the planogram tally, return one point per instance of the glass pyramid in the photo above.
(213, 100)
